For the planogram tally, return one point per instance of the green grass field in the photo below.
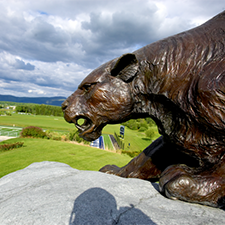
(137, 140)
(77, 156)
(38, 150)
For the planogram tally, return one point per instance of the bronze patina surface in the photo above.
(180, 83)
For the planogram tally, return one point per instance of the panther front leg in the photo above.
(203, 186)
(151, 162)
(141, 166)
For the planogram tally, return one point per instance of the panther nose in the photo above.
(69, 116)
(65, 104)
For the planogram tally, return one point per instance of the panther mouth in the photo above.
(83, 123)
(86, 128)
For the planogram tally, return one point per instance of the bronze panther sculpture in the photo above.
(180, 83)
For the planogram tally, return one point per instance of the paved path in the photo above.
(3, 138)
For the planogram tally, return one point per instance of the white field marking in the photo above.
(14, 128)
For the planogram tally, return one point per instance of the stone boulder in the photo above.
(54, 193)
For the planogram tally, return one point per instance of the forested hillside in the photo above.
(57, 101)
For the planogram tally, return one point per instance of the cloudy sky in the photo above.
(47, 47)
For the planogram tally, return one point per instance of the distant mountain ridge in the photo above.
(57, 101)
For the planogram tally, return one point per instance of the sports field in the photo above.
(10, 131)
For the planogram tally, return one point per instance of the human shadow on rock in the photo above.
(97, 206)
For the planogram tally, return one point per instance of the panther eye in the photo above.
(87, 87)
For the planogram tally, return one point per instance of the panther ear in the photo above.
(126, 67)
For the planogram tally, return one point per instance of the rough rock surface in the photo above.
(54, 193)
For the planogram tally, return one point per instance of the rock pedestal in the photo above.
(54, 193)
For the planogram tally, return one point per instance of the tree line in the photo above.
(142, 125)
(48, 110)
(139, 124)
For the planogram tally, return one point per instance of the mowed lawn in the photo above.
(45, 122)
(38, 150)
(107, 142)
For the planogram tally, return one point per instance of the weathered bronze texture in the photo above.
(180, 83)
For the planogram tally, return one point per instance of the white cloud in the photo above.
(48, 47)
(39, 92)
